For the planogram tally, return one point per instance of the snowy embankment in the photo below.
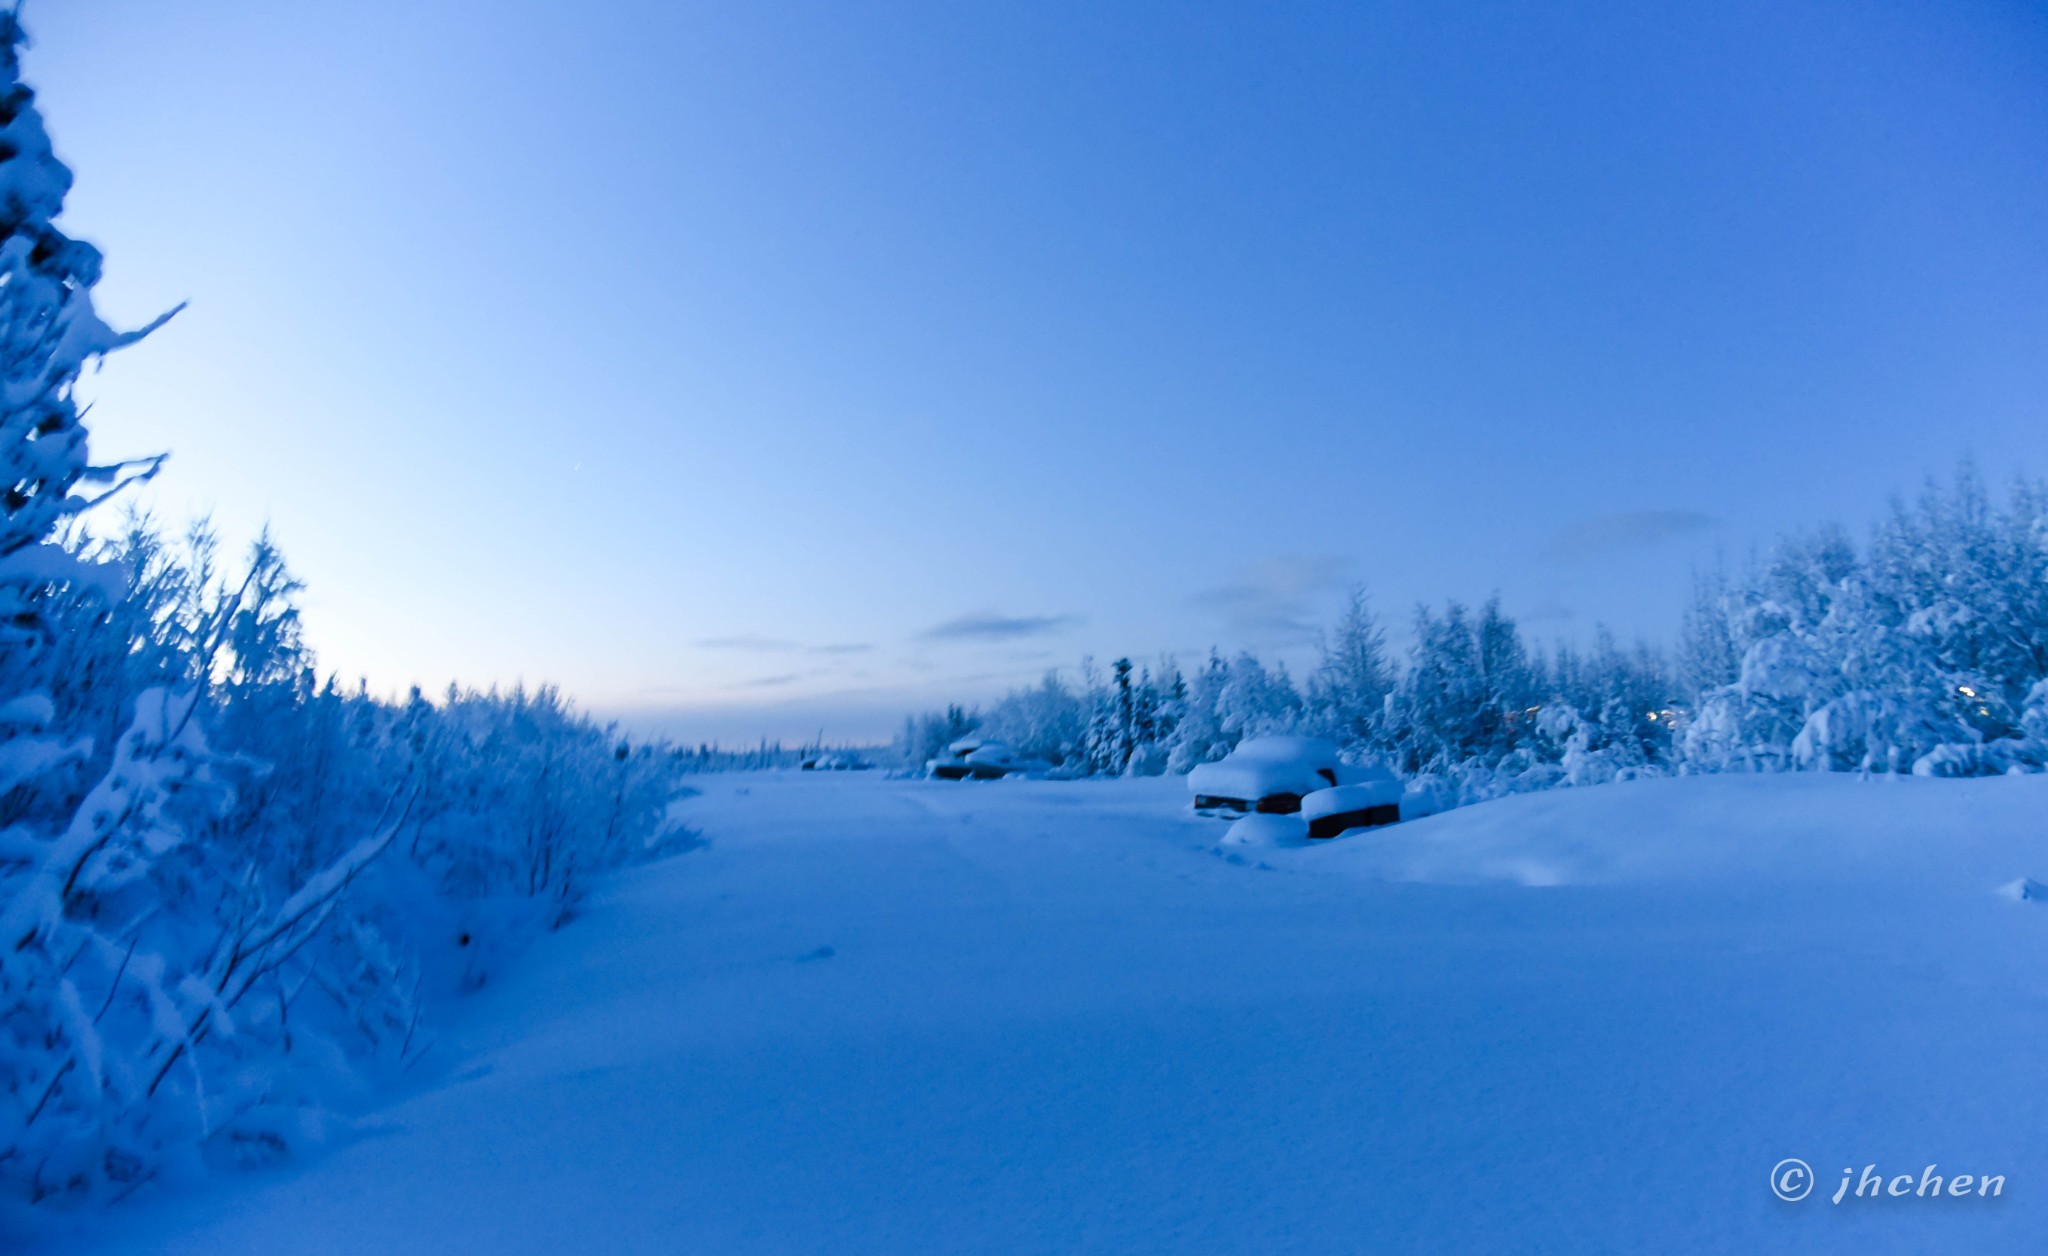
(877, 1016)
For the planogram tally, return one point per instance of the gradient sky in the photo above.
(760, 368)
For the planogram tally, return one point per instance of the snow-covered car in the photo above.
(837, 761)
(1273, 775)
(1372, 798)
(983, 759)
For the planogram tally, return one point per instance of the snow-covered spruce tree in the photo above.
(1123, 722)
(1198, 736)
(1440, 712)
(1708, 656)
(1257, 701)
(1783, 674)
(1347, 693)
(71, 1100)
(1919, 655)
(1959, 589)
(1510, 680)
(1104, 744)
(1226, 702)
(1616, 708)
(1172, 688)
(1151, 724)
(1478, 715)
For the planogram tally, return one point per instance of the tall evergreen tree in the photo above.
(1348, 690)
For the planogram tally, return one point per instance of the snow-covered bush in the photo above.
(227, 888)
(1046, 721)
(235, 914)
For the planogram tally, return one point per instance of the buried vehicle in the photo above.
(837, 761)
(982, 759)
(1268, 774)
(1362, 804)
(1298, 775)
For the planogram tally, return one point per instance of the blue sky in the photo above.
(764, 368)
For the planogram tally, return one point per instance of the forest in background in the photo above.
(1922, 649)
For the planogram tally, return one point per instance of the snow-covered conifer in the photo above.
(1348, 690)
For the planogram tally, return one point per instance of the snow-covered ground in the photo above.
(887, 1016)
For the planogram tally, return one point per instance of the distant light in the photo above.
(1966, 691)
(1653, 715)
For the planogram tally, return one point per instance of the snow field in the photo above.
(879, 1015)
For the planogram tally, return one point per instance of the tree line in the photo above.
(1922, 648)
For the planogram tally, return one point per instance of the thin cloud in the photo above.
(990, 626)
(769, 682)
(751, 644)
(1633, 529)
(1275, 599)
(759, 645)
